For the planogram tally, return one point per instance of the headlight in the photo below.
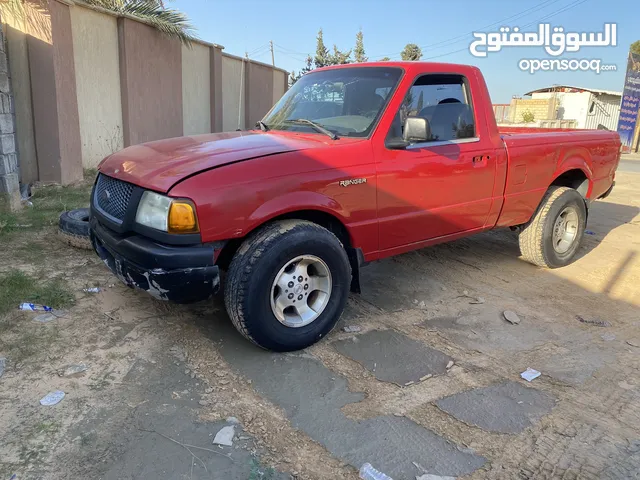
(170, 215)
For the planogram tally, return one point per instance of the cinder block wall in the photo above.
(542, 109)
(9, 181)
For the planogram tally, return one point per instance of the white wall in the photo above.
(232, 93)
(574, 106)
(95, 51)
(196, 89)
(279, 78)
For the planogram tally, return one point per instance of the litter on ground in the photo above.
(530, 374)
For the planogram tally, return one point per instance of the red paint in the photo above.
(411, 198)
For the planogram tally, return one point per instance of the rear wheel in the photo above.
(287, 285)
(552, 237)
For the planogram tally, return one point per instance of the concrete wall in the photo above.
(89, 81)
(67, 95)
(196, 89)
(280, 82)
(95, 48)
(54, 98)
(19, 68)
(258, 92)
(233, 98)
(151, 83)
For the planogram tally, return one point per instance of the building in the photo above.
(591, 108)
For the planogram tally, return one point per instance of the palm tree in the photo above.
(169, 21)
(153, 12)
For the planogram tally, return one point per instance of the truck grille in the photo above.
(112, 196)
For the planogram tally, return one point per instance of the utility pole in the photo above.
(273, 60)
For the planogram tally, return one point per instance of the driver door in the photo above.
(442, 186)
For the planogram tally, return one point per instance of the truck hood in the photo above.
(161, 164)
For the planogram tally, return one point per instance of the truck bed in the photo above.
(538, 155)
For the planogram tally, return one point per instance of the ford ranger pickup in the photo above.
(355, 163)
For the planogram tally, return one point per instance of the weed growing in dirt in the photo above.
(47, 427)
(17, 287)
(24, 344)
(29, 250)
(100, 382)
(34, 444)
(48, 203)
(258, 472)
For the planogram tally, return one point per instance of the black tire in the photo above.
(537, 240)
(73, 228)
(252, 272)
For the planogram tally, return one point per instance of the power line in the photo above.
(301, 56)
(569, 6)
(297, 57)
(553, 14)
(253, 52)
(516, 16)
(290, 51)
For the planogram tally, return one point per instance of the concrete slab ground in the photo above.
(393, 286)
(484, 329)
(508, 407)
(393, 357)
(143, 440)
(157, 369)
(312, 396)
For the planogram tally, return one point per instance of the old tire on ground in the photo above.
(552, 237)
(287, 285)
(73, 228)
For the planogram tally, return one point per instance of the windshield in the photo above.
(345, 101)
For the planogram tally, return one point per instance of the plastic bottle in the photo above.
(367, 472)
(35, 307)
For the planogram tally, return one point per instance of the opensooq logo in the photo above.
(555, 42)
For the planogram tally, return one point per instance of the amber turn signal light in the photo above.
(182, 217)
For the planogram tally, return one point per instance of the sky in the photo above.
(443, 29)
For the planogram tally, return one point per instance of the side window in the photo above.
(444, 101)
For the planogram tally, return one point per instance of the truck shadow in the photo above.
(412, 286)
(604, 217)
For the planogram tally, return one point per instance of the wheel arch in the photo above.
(574, 173)
(325, 219)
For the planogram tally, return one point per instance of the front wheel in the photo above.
(287, 285)
(552, 237)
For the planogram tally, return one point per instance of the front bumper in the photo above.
(182, 274)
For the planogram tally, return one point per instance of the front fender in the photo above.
(293, 202)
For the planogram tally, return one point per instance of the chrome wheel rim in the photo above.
(301, 291)
(565, 230)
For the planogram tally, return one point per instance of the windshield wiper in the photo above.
(263, 126)
(316, 126)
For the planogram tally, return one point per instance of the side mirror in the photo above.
(416, 130)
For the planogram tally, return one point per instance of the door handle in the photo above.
(480, 159)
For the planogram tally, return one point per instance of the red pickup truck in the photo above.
(355, 163)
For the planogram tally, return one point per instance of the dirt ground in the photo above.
(429, 385)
